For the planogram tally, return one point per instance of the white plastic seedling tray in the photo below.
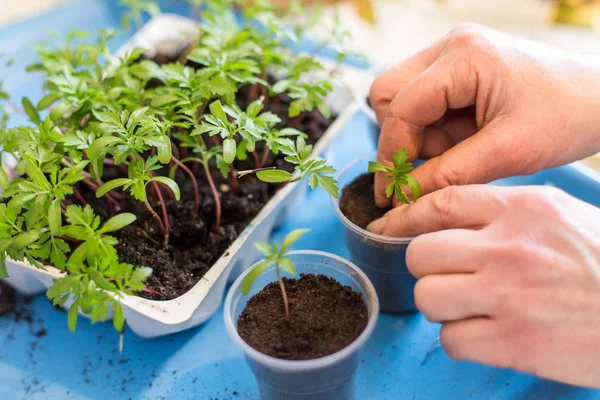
(149, 318)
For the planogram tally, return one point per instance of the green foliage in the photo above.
(273, 255)
(137, 115)
(400, 176)
(136, 9)
(316, 169)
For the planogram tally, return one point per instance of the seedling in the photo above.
(400, 176)
(120, 130)
(275, 255)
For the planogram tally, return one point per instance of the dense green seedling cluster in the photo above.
(99, 111)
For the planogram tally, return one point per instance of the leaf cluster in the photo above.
(274, 254)
(399, 176)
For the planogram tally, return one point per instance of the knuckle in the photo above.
(467, 35)
(424, 300)
(442, 204)
(547, 201)
(377, 88)
(447, 175)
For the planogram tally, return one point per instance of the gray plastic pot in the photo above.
(382, 258)
(326, 378)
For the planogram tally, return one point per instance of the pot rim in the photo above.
(372, 304)
(335, 203)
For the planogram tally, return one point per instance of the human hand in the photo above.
(513, 274)
(482, 106)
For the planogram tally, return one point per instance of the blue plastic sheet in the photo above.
(202, 363)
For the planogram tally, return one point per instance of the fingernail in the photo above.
(377, 226)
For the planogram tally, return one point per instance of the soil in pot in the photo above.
(358, 201)
(325, 317)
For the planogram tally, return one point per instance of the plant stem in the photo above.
(286, 303)
(265, 157)
(215, 193)
(194, 182)
(79, 196)
(233, 181)
(163, 207)
(155, 215)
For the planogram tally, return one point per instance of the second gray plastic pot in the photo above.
(326, 378)
(382, 258)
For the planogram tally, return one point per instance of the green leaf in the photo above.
(73, 314)
(229, 150)
(141, 274)
(47, 101)
(400, 158)
(58, 112)
(118, 318)
(36, 174)
(252, 275)
(100, 146)
(55, 218)
(400, 195)
(414, 186)
(118, 222)
(376, 167)
(329, 184)
(100, 280)
(111, 185)
(3, 270)
(389, 190)
(216, 109)
(287, 265)
(292, 237)
(263, 247)
(160, 101)
(170, 184)
(4, 179)
(25, 239)
(274, 176)
(31, 111)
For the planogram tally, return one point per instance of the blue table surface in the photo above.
(41, 359)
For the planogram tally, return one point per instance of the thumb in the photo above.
(486, 156)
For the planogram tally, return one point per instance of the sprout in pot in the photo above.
(302, 337)
(382, 258)
(130, 184)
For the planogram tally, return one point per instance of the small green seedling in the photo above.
(400, 176)
(275, 254)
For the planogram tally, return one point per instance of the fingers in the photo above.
(481, 158)
(448, 83)
(451, 297)
(475, 339)
(388, 84)
(468, 207)
(454, 251)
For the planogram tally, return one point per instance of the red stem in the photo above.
(233, 181)
(79, 196)
(69, 239)
(163, 208)
(155, 215)
(215, 193)
(194, 182)
(154, 292)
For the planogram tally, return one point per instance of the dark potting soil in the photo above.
(358, 201)
(325, 317)
(194, 246)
